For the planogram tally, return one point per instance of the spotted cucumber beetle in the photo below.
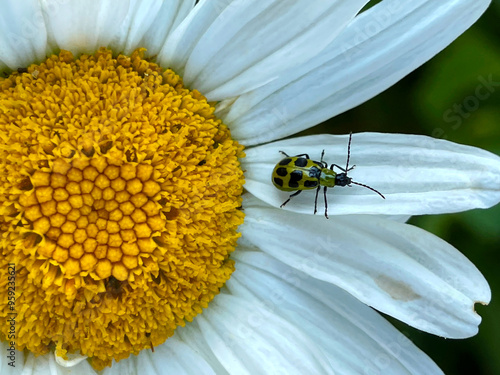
(299, 172)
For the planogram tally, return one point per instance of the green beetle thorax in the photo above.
(327, 177)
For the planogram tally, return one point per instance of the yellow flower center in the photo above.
(119, 204)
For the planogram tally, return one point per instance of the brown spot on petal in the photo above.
(396, 289)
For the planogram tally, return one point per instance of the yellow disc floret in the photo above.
(119, 203)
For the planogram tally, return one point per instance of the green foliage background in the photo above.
(418, 104)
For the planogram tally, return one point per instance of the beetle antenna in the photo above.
(368, 187)
(348, 152)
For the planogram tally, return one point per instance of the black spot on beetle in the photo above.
(278, 181)
(300, 162)
(285, 161)
(309, 183)
(295, 177)
(281, 172)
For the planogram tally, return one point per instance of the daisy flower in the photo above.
(129, 244)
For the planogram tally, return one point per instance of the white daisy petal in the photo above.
(377, 49)
(397, 268)
(354, 337)
(47, 365)
(417, 174)
(170, 15)
(83, 26)
(172, 357)
(178, 358)
(23, 36)
(129, 366)
(191, 335)
(124, 26)
(73, 359)
(248, 338)
(16, 358)
(223, 58)
(137, 22)
(399, 218)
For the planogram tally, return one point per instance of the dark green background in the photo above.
(417, 105)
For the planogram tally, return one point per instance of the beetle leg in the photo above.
(335, 165)
(295, 156)
(298, 156)
(342, 169)
(316, 200)
(326, 202)
(290, 197)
